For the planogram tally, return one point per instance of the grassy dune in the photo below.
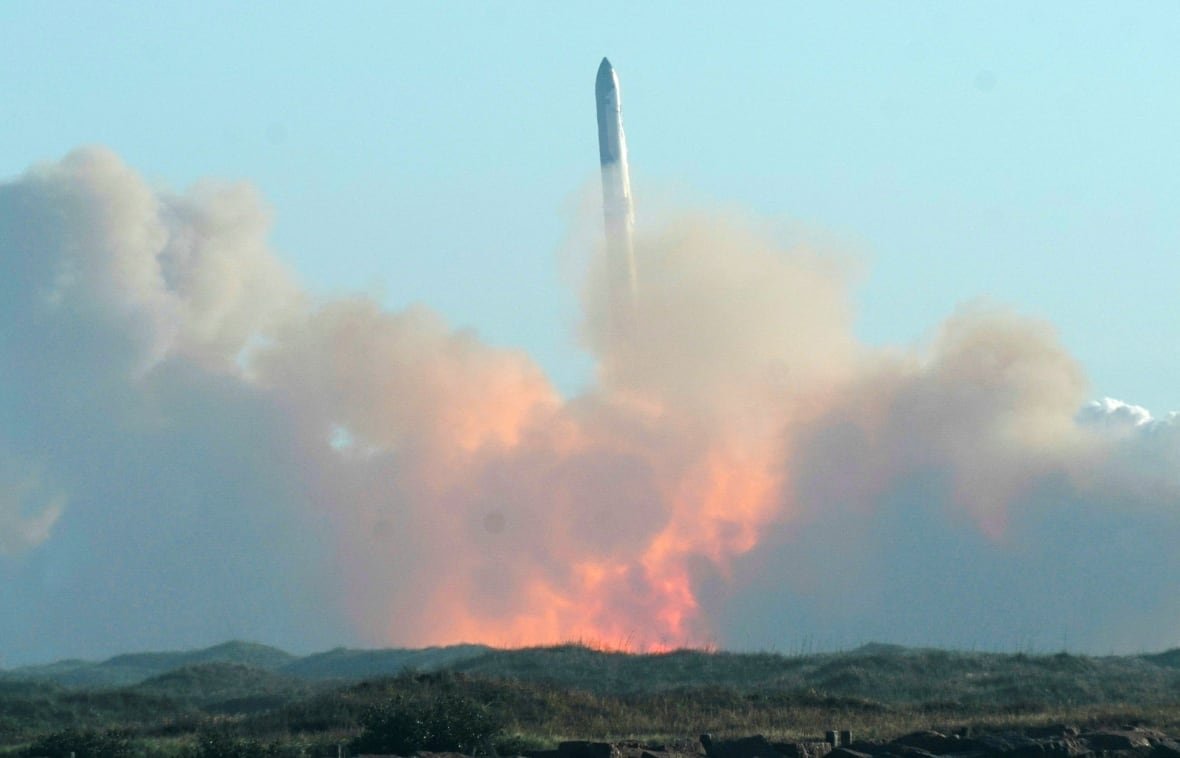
(542, 695)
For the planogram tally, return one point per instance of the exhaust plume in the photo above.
(180, 416)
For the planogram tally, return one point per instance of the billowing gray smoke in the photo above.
(193, 448)
(151, 496)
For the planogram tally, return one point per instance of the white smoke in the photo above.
(154, 475)
(179, 418)
(956, 497)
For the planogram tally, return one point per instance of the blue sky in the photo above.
(435, 152)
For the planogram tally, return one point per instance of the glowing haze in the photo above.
(194, 448)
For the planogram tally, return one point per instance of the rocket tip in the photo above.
(606, 77)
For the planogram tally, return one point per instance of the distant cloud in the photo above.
(28, 510)
(1114, 414)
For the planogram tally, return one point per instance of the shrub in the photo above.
(217, 744)
(445, 723)
(112, 743)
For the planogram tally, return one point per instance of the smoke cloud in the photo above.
(193, 448)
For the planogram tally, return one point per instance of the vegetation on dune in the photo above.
(447, 721)
(536, 697)
(881, 672)
(75, 743)
(225, 687)
(343, 663)
(136, 667)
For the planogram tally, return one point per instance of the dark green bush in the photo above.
(518, 744)
(445, 722)
(218, 744)
(112, 743)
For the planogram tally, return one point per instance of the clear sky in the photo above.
(435, 152)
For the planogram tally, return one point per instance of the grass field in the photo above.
(246, 696)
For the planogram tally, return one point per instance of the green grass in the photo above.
(136, 667)
(544, 695)
(884, 673)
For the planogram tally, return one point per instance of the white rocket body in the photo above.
(618, 211)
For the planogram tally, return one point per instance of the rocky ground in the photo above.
(1047, 742)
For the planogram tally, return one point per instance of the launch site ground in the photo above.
(249, 699)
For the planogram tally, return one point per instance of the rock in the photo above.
(634, 749)
(1053, 730)
(1066, 746)
(626, 749)
(893, 750)
(683, 747)
(932, 742)
(1011, 745)
(814, 749)
(844, 752)
(1165, 748)
(586, 749)
(806, 749)
(746, 747)
(1117, 739)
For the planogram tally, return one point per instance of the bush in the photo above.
(112, 743)
(518, 744)
(444, 723)
(216, 744)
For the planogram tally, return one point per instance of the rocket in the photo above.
(617, 210)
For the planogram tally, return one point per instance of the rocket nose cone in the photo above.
(606, 77)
